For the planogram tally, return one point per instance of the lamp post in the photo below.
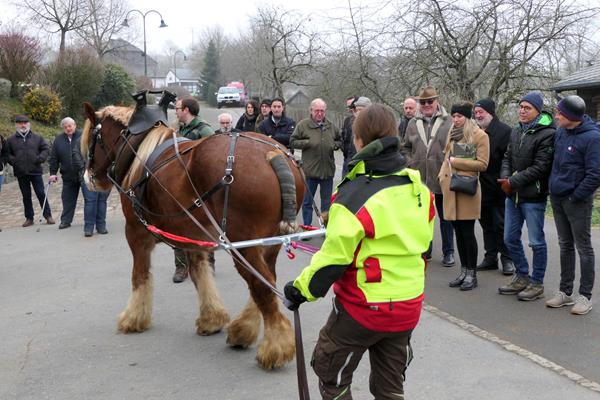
(162, 25)
(175, 62)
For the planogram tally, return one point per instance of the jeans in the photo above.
(533, 215)
(326, 188)
(94, 209)
(466, 242)
(573, 221)
(492, 224)
(69, 195)
(25, 183)
(1, 181)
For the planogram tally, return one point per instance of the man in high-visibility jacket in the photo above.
(380, 224)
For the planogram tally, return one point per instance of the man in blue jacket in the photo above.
(574, 178)
(278, 125)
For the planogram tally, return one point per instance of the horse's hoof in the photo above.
(211, 321)
(242, 333)
(275, 356)
(129, 324)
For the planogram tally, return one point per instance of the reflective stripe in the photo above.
(339, 376)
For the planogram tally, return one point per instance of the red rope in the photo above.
(181, 239)
(309, 227)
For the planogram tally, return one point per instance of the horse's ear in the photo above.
(89, 112)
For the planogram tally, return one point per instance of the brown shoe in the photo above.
(28, 222)
(50, 220)
(181, 272)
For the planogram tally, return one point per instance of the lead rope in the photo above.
(303, 391)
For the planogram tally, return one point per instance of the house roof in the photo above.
(123, 46)
(584, 78)
(187, 74)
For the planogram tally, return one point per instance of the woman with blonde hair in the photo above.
(466, 155)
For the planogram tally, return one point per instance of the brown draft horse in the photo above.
(254, 211)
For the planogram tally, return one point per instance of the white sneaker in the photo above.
(560, 299)
(582, 305)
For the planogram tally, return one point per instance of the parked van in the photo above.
(228, 96)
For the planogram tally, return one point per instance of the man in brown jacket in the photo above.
(423, 147)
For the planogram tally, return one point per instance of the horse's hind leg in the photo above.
(277, 347)
(137, 316)
(213, 315)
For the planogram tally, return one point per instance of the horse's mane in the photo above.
(122, 115)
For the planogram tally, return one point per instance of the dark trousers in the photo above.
(341, 345)
(446, 228)
(326, 189)
(492, 224)
(69, 195)
(466, 242)
(25, 184)
(573, 221)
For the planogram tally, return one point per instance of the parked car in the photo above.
(228, 96)
(242, 89)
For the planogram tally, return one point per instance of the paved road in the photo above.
(60, 294)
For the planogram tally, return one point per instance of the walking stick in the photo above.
(44, 205)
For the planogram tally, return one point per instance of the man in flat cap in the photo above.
(27, 152)
(423, 147)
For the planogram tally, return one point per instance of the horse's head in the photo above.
(101, 137)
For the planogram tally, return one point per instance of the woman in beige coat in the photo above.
(460, 208)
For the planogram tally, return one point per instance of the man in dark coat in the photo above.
(278, 125)
(524, 178)
(26, 153)
(574, 179)
(492, 196)
(410, 109)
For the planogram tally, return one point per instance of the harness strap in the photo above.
(181, 239)
(227, 179)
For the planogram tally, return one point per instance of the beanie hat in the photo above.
(572, 107)
(488, 105)
(465, 109)
(266, 102)
(535, 99)
(362, 102)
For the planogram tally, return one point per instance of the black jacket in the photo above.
(348, 148)
(26, 155)
(499, 134)
(246, 124)
(280, 131)
(61, 156)
(528, 160)
(402, 127)
(3, 152)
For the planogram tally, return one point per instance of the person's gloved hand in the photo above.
(293, 295)
(505, 185)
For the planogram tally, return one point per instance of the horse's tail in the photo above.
(287, 184)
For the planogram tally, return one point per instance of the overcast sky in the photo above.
(186, 17)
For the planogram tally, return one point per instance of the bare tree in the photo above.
(57, 16)
(105, 18)
(20, 57)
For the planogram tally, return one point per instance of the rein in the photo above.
(200, 203)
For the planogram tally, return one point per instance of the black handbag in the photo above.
(463, 183)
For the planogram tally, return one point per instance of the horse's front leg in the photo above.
(213, 314)
(137, 316)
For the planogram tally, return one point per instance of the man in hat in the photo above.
(524, 178)
(574, 178)
(265, 110)
(26, 153)
(423, 147)
(492, 196)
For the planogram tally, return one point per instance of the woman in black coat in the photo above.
(247, 121)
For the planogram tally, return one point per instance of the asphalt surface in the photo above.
(61, 293)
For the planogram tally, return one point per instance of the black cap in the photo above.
(487, 104)
(266, 102)
(572, 107)
(465, 109)
(21, 118)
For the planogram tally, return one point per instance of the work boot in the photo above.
(508, 267)
(181, 273)
(460, 278)
(516, 284)
(470, 281)
(28, 222)
(448, 260)
(560, 299)
(50, 220)
(582, 305)
(533, 291)
(488, 264)
(64, 225)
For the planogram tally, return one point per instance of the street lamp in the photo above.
(162, 25)
(175, 62)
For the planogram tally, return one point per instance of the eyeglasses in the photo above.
(429, 101)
